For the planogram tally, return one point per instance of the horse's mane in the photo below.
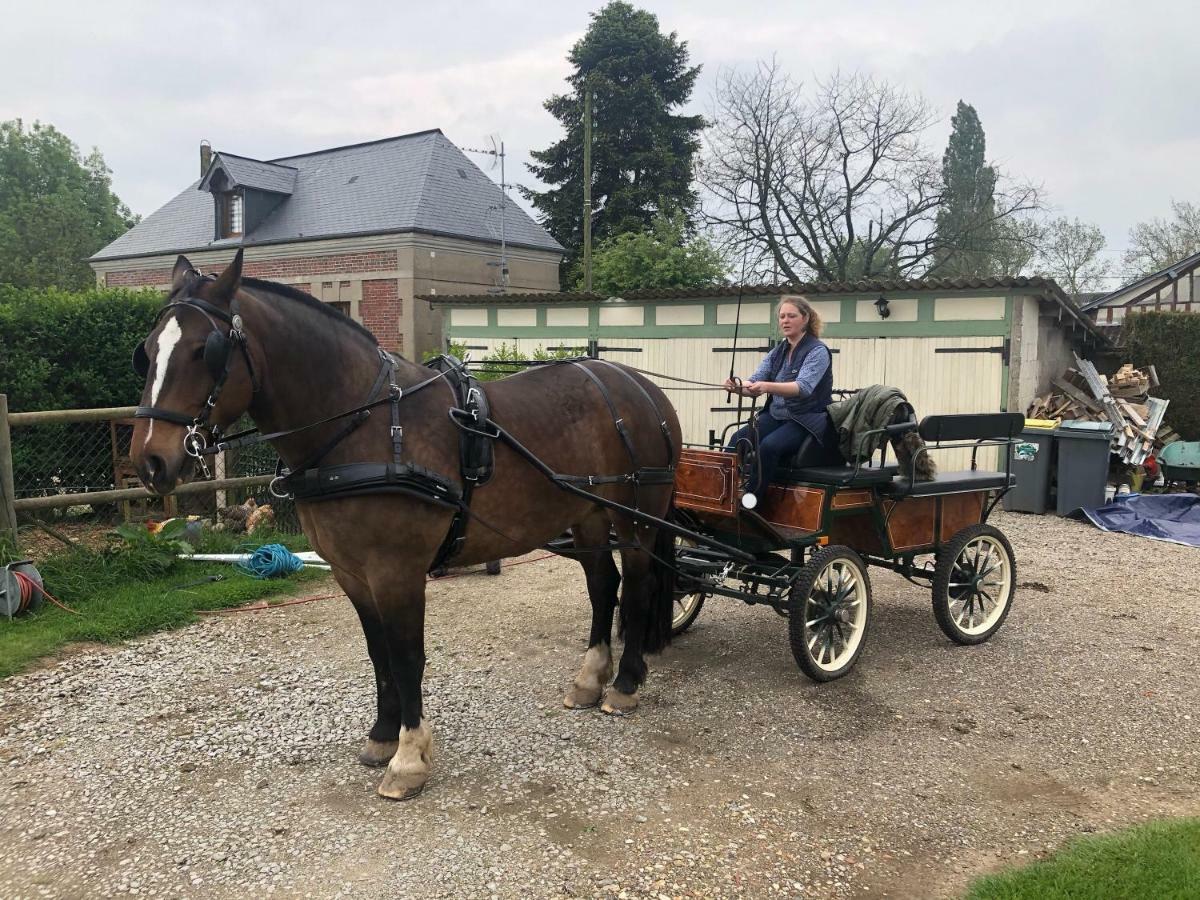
(286, 290)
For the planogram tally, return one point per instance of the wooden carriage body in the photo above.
(877, 511)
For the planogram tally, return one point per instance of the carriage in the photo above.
(806, 547)
(390, 462)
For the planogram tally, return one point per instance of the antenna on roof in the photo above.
(497, 154)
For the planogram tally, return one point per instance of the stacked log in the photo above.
(1122, 399)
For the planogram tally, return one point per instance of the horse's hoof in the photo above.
(582, 698)
(392, 789)
(376, 754)
(617, 703)
(408, 770)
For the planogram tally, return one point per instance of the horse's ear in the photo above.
(181, 273)
(229, 281)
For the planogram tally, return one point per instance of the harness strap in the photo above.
(662, 421)
(617, 420)
(251, 436)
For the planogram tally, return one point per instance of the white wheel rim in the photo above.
(980, 585)
(835, 615)
(685, 605)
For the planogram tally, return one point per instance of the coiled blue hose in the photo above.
(271, 561)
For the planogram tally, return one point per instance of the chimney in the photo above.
(205, 156)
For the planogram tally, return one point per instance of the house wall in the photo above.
(374, 278)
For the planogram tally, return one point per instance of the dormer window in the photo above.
(232, 216)
(245, 192)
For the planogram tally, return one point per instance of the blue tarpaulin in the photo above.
(1162, 517)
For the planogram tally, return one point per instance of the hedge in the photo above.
(1170, 341)
(69, 350)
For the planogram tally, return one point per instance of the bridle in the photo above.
(218, 359)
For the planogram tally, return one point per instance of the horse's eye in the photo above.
(199, 354)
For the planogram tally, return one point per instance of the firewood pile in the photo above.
(1122, 399)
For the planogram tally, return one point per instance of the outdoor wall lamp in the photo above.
(882, 305)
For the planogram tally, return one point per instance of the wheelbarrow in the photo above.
(1180, 461)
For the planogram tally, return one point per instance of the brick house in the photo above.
(366, 227)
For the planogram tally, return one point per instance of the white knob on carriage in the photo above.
(749, 501)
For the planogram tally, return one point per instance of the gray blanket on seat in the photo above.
(871, 408)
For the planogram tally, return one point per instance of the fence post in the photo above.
(8, 514)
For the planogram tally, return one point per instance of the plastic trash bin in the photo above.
(1032, 458)
(1082, 471)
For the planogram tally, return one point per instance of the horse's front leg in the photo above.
(400, 599)
(602, 582)
(383, 738)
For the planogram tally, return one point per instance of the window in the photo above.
(231, 214)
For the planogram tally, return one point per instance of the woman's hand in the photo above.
(731, 387)
(754, 388)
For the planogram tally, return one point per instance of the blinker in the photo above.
(141, 360)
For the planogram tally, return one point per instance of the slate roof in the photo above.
(416, 182)
(252, 173)
(1046, 288)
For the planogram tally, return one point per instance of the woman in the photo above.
(797, 377)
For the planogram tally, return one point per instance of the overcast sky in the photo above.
(1095, 101)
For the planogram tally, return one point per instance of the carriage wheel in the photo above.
(973, 584)
(829, 611)
(687, 604)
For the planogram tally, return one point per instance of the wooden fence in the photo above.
(11, 506)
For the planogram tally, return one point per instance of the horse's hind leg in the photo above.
(646, 607)
(602, 581)
(382, 739)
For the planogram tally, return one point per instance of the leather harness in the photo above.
(312, 482)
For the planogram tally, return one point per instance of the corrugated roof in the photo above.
(1046, 288)
(418, 182)
(252, 173)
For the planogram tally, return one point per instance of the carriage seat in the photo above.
(838, 476)
(950, 483)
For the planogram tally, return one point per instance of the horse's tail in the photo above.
(661, 595)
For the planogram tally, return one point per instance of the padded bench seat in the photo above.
(950, 483)
(838, 476)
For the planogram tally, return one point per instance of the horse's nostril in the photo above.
(151, 466)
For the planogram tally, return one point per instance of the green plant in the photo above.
(505, 360)
(1159, 860)
(1170, 341)
(454, 348)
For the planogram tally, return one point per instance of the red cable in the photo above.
(28, 585)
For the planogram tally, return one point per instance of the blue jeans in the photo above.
(778, 439)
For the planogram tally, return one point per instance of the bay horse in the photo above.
(229, 345)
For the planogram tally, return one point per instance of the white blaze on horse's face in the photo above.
(168, 340)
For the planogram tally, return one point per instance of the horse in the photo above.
(318, 385)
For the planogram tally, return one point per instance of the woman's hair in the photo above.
(801, 303)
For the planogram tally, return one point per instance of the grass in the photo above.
(1160, 860)
(134, 588)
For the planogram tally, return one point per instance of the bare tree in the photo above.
(1070, 254)
(835, 187)
(1156, 244)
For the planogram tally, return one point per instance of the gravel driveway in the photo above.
(219, 760)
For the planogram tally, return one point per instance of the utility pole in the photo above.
(587, 190)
